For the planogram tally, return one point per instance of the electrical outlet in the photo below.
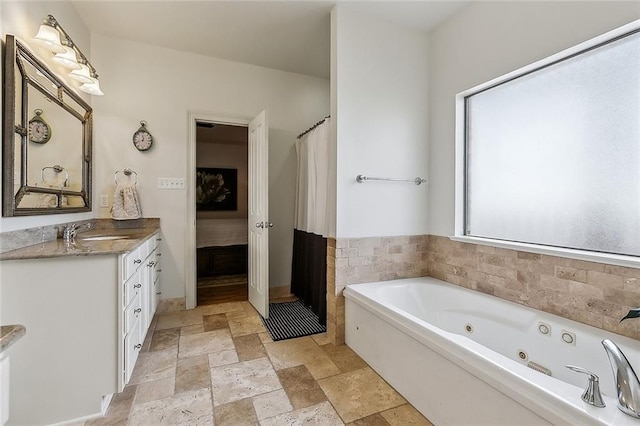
(104, 201)
(171, 183)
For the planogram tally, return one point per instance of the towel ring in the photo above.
(126, 172)
(58, 169)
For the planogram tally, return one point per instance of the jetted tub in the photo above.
(461, 357)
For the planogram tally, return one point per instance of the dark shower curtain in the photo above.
(312, 223)
(309, 271)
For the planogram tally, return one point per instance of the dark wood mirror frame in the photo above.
(14, 54)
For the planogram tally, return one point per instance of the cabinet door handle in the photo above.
(150, 264)
(159, 270)
(159, 293)
(158, 239)
(137, 286)
(137, 261)
(138, 346)
(137, 311)
(158, 254)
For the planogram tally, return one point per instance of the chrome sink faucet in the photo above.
(627, 384)
(70, 231)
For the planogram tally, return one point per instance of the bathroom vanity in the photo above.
(87, 305)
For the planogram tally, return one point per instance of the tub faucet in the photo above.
(69, 231)
(627, 384)
(592, 394)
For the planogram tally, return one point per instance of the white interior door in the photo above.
(258, 214)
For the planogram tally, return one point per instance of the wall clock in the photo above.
(39, 130)
(142, 139)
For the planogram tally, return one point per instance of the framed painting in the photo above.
(216, 189)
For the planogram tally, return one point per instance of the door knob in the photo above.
(270, 225)
(260, 225)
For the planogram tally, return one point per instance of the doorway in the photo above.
(257, 206)
(221, 197)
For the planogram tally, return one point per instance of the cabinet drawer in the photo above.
(132, 314)
(132, 261)
(132, 287)
(132, 346)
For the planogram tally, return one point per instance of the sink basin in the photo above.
(104, 238)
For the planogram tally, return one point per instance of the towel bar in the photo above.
(126, 172)
(417, 181)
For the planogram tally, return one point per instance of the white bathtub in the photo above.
(413, 332)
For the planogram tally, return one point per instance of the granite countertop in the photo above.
(82, 247)
(9, 334)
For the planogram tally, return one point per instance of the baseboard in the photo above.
(170, 305)
(79, 420)
(106, 400)
(279, 292)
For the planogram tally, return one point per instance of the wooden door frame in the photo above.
(190, 273)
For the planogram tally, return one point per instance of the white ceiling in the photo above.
(286, 35)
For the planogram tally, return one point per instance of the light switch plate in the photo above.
(104, 201)
(170, 183)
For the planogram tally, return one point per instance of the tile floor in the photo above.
(217, 365)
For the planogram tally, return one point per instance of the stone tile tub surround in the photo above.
(361, 260)
(592, 293)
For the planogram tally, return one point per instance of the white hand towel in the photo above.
(126, 204)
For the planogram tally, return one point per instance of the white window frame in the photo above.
(460, 161)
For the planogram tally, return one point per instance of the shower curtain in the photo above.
(312, 221)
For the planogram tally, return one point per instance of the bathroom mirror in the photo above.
(46, 139)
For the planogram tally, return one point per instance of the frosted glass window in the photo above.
(553, 156)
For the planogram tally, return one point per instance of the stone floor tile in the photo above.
(146, 345)
(373, 420)
(344, 357)
(322, 414)
(192, 407)
(239, 413)
(265, 337)
(157, 389)
(249, 309)
(321, 369)
(360, 393)
(156, 365)
(119, 409)
(215, 322)
(222, 308)
(405, 415)
(249, 347)
(292, 352)
(241, 380)
(192, 329)
(246, 325)
(271, 404)
(236, 315)
(221, 358)
(205, 343)
(300, 386)
(165, 339)
(192, 373)
(321, 338)
(179, 319)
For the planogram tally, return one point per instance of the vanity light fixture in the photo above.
(67, 59)
(67, 54)
(81, 75)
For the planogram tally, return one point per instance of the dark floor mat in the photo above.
(292, 319)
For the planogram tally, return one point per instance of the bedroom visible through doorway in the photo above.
(221, 197)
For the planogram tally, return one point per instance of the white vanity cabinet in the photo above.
(139, 284)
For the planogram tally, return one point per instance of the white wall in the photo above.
(23, 19)
(380, 88)
(226, 156)
(489, 39)
(161, 86)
